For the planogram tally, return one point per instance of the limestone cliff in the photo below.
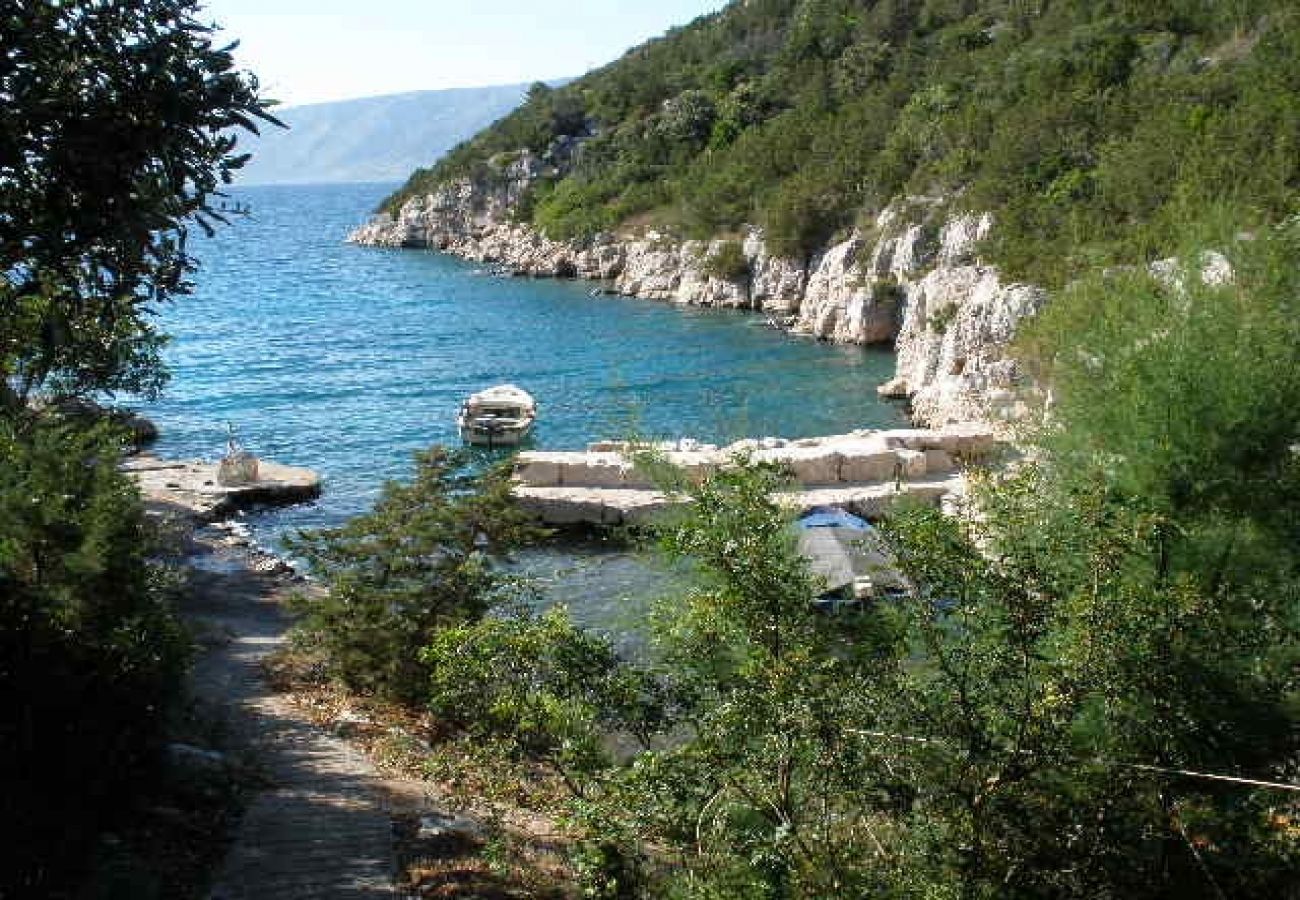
(912, 280)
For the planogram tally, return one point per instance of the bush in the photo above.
(728, 262)
(93, 656)
(419, 562)
(552, 690)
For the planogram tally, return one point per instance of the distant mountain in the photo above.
(372, 138)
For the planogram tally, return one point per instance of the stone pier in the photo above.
(864, 472)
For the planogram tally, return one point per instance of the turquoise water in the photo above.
(347, 359)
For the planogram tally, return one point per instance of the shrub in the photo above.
(419, 562)
(728, 262)
(93, 656)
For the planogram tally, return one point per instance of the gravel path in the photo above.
(319, 830)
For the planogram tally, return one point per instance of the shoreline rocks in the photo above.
(193, 488)
(912, 279)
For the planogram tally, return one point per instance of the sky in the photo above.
(310, 51)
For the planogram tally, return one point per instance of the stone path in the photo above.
(319, 830)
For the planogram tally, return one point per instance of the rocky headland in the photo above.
(913, 279)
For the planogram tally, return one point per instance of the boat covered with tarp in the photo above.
(850, 555)
(497, 417)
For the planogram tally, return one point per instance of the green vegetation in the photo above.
(93, 656)
(117, 132)
(1058, 708)
(417, 564)
(1092, 130)
(727, 262)
(113, 137)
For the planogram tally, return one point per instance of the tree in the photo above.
(1117, 632)
(416, 564)
(91, 655)
(1060, 706)
(116, 121)
(764, 788)
(116, 130)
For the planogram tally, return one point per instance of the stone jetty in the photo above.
(193, 488)
(864, 472)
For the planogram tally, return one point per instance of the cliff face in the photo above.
(912, 280)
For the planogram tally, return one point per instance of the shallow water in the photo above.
(348, 359)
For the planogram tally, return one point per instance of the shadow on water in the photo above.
(610, 585)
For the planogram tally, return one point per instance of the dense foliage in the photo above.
(418, 563)
(1091, 129)
(1054, 709)
(91, 656)
(115, 130)
(1092, 687)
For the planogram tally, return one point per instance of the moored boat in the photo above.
(500, 416)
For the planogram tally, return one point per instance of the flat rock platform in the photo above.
(190, 486)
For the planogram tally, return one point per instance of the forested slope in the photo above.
(1092, 129)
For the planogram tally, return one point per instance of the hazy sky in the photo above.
(306, 51)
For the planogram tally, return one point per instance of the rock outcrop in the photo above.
(912, 279)
(192, 487)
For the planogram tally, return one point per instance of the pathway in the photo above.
(319, 830)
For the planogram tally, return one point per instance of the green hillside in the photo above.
(1093, 128)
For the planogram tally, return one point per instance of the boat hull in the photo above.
(484, 436)
(497, 417)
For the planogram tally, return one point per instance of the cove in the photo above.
(348, 359)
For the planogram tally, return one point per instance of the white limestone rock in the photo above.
(912, 280)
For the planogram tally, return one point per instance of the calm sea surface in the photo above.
(347, 359)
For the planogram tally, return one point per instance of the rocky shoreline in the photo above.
(194, 488)
(186, 496)
(912, 279)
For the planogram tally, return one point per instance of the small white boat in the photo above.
(501, 416)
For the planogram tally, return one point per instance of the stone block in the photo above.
(909, 438)
(939, 462)
(911, 463)
(971, 443)
(540, 469)
(561, 506)
(809, 465)
(646, 509)
(697, 466)
(597, 470)
(867, 464)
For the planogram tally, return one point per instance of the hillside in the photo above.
(1092, 131)
(372, 138)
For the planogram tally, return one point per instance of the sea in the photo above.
(349, 359)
